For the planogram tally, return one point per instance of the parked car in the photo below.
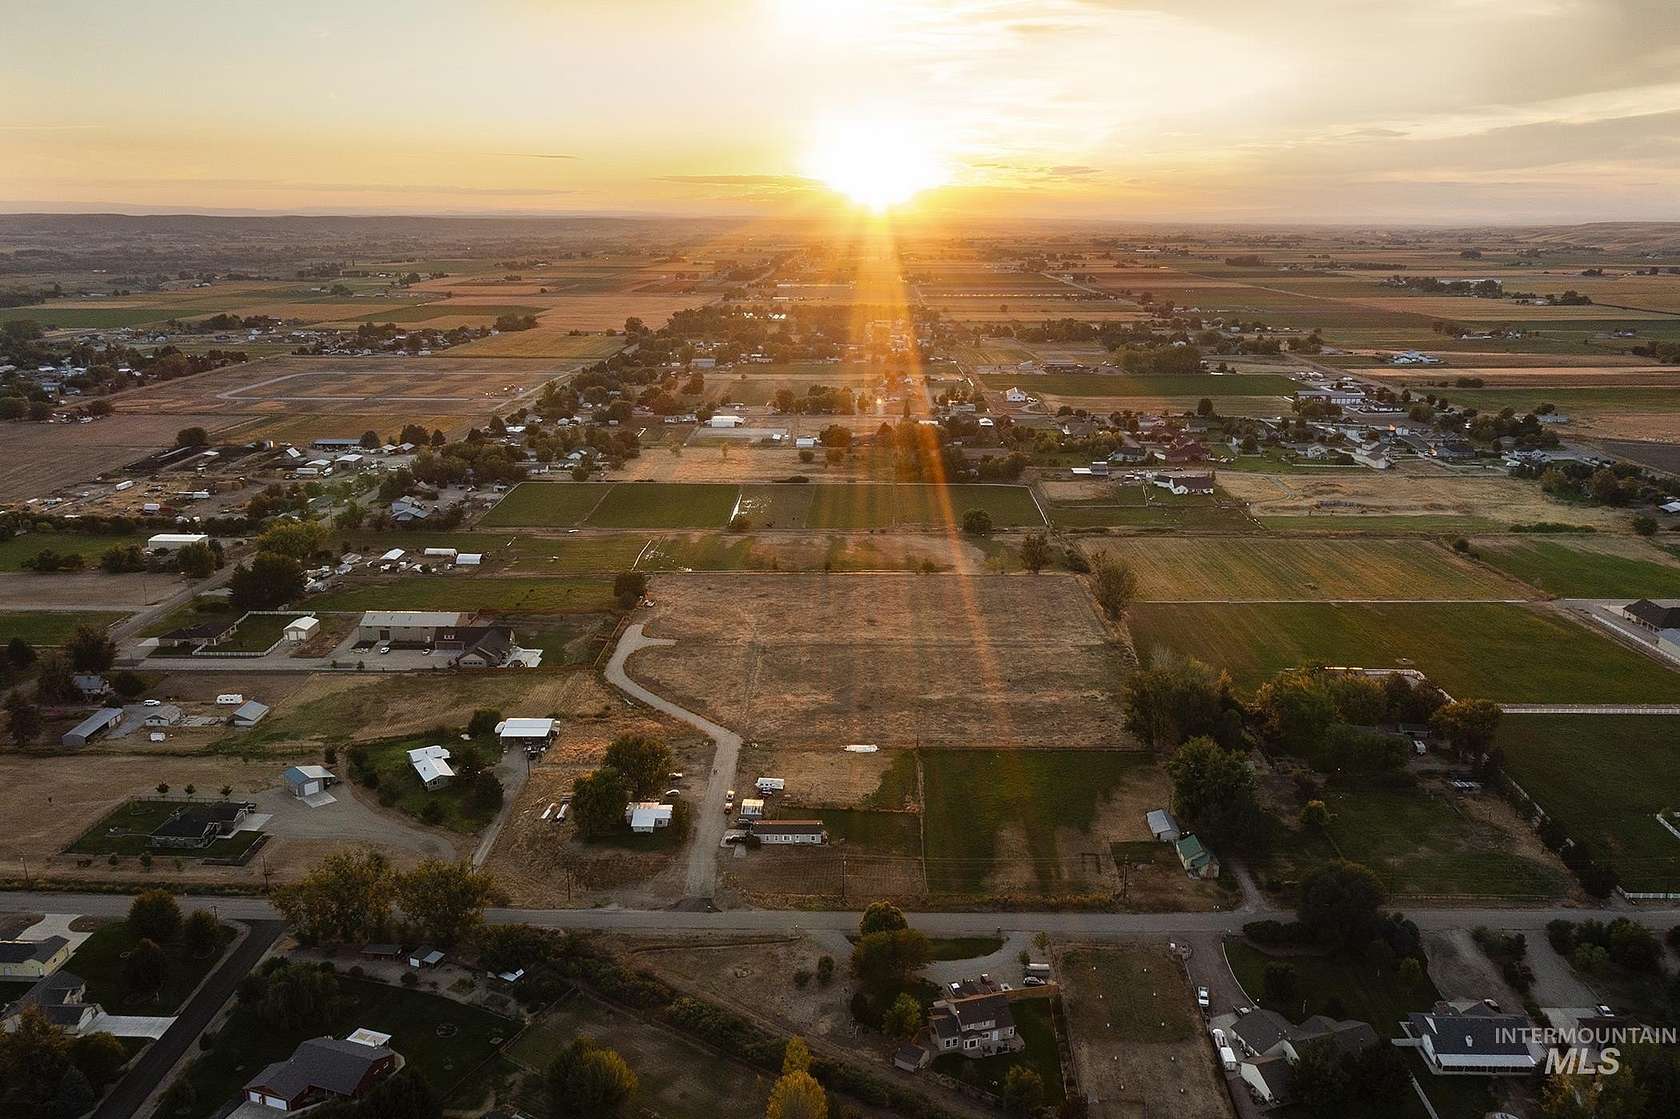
(1202, 998)
(1032, 981)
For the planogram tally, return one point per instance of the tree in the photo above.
(200, 933)
(146, 968)
(291, 996)
(1319, 1082)
(127, 684)
(1035, 552)
(1340, 903)
(74, 1096)
(20, 653)
(25, 720)
(977, 522)
(1115, 584)
(268, 582)
(644, 762)
(196, 561)
(298, 539)
(350, 517)
(369, 440)
(884, 962)
(882, 916)
(99, 1056)
(446, 900)
(1213, 792)
(191, 437)
(53, 680)
(1315, 816)
(797, 1095)
(1295, 711)
(1175, 699)
(154, 915)
(796, 1056)
(483, 722)
(588, 1080)
(347, 896)
(90, 650)
(598, 800)
(629, 587)
(903, 1017)
(1023, 1090)
(1468, 724)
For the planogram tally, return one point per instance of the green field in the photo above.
(1569, 401)
(893, 505)
(973, 795)
(1364, 993)
(546, 504)
(874, 833)
(16, 549)
(506, 595)
(100, 960)
(1605, 778)
(1586, 568)
(1120, 384)
(51, 627)
(446, 1039)
(666, 505)
(1418, 842)
(126, 830)
(51, 315)
(257, 633)
(1431, 524)
(1503, 652)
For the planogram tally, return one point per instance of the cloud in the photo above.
(538, 155)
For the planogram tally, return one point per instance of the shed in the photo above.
(173, 541)
(752, 809)
(424, 957)
(307, 780)
(469, 559)
(98, 722)
(1163, 827)
(302, 629)
(249, 713)
(525, 732)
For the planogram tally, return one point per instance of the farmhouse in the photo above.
(200, 825)
(1469, 1039)
(404, 511)
(531, 734)
(60, 997)
(432, 764)
(790, 831)
(302, 629)
(91, 685)
(174, 541)
(32, 959)
(406, 627)
(1273, 1045)
(322, 1069)
(644, 816)
(1198, 861)
(1181, 482)
(475, 646)
(976, 1026)
(92, 726)
(307, 780)
(1651, 615)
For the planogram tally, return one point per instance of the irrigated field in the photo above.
(1261, 568)
(943, 660)
(50, 627)
(1587, 567)
(1605, 778)
(1506, 653)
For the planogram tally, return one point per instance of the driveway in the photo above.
(56, 924)
(513, 770)
(709, 822)
(347, 820)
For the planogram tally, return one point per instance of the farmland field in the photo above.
(946, 660)
(1121, 384)
(51, 627)
(1605, 778)
(545, 504)
(503, 595)
(1506, 653)
(544, 343)
(42, 457)
(1258, 568)
(16, 549)
(1612, 567)
(664, 505)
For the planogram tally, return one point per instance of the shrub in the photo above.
(802, 978)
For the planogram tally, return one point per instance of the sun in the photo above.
(876, 164)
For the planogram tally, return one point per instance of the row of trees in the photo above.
(635, 767)
(352, 896)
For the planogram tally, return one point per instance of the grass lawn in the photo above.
(963, 947)
(676, 1078)
(1605, 778)
(126, 831)
(866, 505)
(973, 795)
(545, 504)
(566, 638)
(1032, 1022)
(873, 833)
(666, 505)
(244, 1046)
(1502, 652)
(1612, 567)
(191, 614)
(1322, 982)
(52, 627)
(257, 633)
(101, 959)
(14, 550)
(575, 555)
(447, 807)
(503, 595)
(1418, 843)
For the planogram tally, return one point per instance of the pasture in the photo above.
(1586, 567)
(14, 550)
(1605, 778)
(1122, 384)
(51, 627)
(1261, 568)
(943, 660)
(1502, 652)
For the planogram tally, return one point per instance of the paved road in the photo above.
(145, 1076)
(1590, 708)
(709, 819)
(939, 924)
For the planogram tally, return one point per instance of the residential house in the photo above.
(321, 1070)
(1197, 860)
(790, 831)
(432, 765)
(188, 638)
(60, 997)
(91, 685)
(1181, 483)
(197, 826)
(1472, 1039)
(307, 780)
(645, 816)
(475, 646)
(406, 511)
(1651, 615)
(975, 1026)
(32, 959)
(1273, 1045)
(1015, 396)
(163, 715)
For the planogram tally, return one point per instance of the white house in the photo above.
(1467, 1043)
(302, 629)
(432, 764)
(790, 831)
(1015, 396)
(644, 816)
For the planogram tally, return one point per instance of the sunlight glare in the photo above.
(875, 164)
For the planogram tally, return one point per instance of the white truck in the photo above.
(770, 784)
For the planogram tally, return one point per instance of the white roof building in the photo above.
(645, 816)
(170, 541)
(302, 629)
(523, 729)
(432, 764)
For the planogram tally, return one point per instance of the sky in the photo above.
(1361, 111)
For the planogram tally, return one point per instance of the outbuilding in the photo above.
(95, 724)
(302, 629)
(307, 780)
(1163, 827)
(790, 831)
(175, 541)
(249, 713)
(409, 627)
(532, 734)
(645, 816)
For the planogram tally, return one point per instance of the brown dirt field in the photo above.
(1396, 494)
(1228, 405)
(821, 777)
(544, 343)
(1136, 1077)
(83, 590)
(40, 458)
(1629, 425)
(1543, 376)
(944, 660)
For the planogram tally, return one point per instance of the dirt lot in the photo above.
(1407, 494)
(84, 590)
(40, 458)
(1137, 1038)
(940, 660)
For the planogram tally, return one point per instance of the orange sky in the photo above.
(1333, 110)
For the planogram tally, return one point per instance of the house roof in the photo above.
(21, 951)
(322, 1063)
(1465, 1035)
(525, 728)
(430, 769)
(1259, 1030)
(1191, 852)
(97, 721)
(982, 1012)
(250, 711)
(1345, 1036)
(1654, 614)
(789, 827)
(58, 996)
(386, 619)
(1275, 1072)
(1160, 820)
(298, 774)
